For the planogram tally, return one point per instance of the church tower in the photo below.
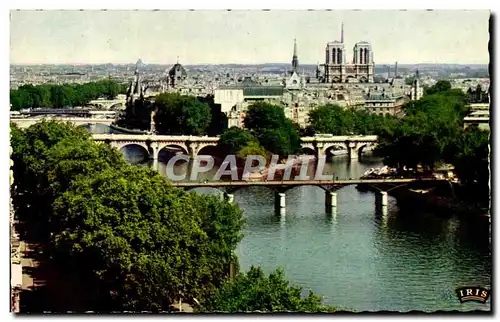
(416, 90)
(136, 88)
(295, 59)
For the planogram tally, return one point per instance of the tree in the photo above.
(274, 131)
(262, 115)
(252, 148)
(182, 115)
(51, 95)
(333, 119)
(143, 243)
(39, 169)
(471, 162)
(137, 115)
(440, 86)
(254, 291)
(132, 240)
(234, 139)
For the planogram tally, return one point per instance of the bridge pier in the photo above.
(280, 202)
(353, 151)
(330, 201)
(155, 165)
(382, 198)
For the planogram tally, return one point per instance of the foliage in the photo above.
(274, 131)
(439, 87)
(252, 148)
(181, 115)
(66, 95)
(137, 115)
(144, 242)
(424, 136)
(132, 240)
(333, 119)
(262, 115)
(254, 291)
(471, 162)
(234, 139)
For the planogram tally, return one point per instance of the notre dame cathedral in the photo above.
(337, 69)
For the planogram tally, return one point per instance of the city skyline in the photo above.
(241, 37)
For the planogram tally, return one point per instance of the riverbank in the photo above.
(435, 202)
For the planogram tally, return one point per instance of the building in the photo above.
(384, 104)
(177, 74)
(417, 91)
(479, 118)
(136, 88)
(294, 81)
(337, 69)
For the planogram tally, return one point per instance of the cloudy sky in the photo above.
(214, 37)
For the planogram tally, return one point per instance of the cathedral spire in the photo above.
(342, 33)
(295, 58)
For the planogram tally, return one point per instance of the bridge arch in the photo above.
(126, 149)
(207, 149)
(309, 150)
(174, 145)
(330, 147)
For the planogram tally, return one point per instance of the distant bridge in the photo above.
(77, 116)
(192, 145)
(118, 103)
(381, 186)
(28, 121)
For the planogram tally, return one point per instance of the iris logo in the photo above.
(473, 293)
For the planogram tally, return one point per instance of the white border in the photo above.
(190, 4)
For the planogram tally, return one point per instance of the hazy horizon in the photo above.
(243, 37)
(229, 63)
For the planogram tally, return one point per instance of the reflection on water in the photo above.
(360, 256)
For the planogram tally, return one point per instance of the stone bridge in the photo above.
(153, 144)
(191, 145)
(325, 145)
(25, 122)
(110, 104)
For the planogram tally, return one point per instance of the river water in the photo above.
(360, 258)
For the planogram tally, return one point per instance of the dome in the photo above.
(139, 64)
(177, 70)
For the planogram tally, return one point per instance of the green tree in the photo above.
(51, 95)
(471, 161)
(234, 139)
(132, 240)
(252, 148)
(440, 86)
(274, 131)
(137, 115)
(143, 243)
(254, 291)
(262, 115)
(181, 115)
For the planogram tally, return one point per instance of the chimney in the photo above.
(388, 72)
(396, 70)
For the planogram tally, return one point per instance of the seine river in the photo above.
(359, 258)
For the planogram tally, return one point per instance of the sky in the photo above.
(247, 37)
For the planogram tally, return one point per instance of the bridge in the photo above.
(380, 186)
(192, 145)
(118, 103)
(25, 122)
(77, 116)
